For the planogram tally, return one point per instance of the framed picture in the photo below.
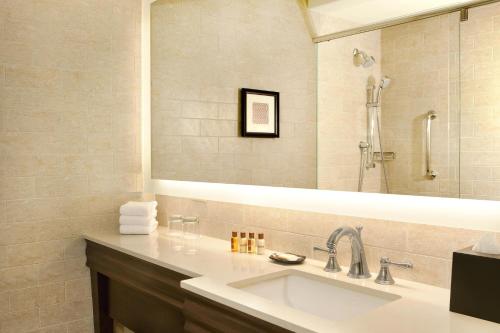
(260, 113)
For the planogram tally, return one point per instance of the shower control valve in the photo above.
(363, 145)
(432, 174)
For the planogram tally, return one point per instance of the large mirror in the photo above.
(407, 109)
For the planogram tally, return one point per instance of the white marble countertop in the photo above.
(421, 308)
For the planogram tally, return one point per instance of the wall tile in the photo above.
(199, 110)
(24, 299)
(387, 234)
(193, 99)
(52, 293)
(32, 253)
(78, 290)
(439, 241)
(81, 326)
(51, 272)
(17, 233)
(69, 120)
(4, 302)
(74, 248)
(478, 91)
(61, 186)
(18, 277)
(65, 312)
(200, 144)
(23, 321)
(219, 128)
(17, 187)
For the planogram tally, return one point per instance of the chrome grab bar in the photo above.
(431, 115)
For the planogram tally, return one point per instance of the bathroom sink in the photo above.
(323, 297)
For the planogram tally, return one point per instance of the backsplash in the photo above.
(429, 247)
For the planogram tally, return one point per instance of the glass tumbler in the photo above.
(191, 233)
(175, 225)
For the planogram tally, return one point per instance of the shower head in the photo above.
(384, 82)
(360, 58)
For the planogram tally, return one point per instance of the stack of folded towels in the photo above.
(138, 218)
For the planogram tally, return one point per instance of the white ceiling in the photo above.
(357, 13)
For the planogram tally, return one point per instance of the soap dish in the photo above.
(287, 258)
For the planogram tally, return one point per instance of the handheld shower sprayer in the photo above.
(367, 148)
(384, 83)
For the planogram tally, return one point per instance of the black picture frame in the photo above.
(244, 92)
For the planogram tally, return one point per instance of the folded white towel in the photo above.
(137, 220)
(135, 208)
(138, 229)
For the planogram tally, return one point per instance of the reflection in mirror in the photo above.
(480, 103)
(202, 54)
(344, 15)
(408, 109)
(375, 92)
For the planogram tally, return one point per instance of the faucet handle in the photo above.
(332, 264)
(384, 261)
(384, 275)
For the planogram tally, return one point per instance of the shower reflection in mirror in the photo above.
(375, 90)
(373, 103)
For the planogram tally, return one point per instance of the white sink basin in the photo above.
(323, 297)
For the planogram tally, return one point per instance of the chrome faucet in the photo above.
(359, 267)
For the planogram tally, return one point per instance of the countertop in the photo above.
(421, 308)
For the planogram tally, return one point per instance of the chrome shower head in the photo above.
(384, 82)
(360, 58)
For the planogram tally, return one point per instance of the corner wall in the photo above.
(69, 150)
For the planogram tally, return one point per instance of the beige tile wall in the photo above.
(69, 150)
(480, 115)
(428, 247)
(342, 114)
(202, 53)
(421, 58)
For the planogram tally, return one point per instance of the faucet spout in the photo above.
(359, 267)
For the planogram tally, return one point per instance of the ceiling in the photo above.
(356, 13)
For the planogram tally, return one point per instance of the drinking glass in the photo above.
(175, 225)
(191, 233)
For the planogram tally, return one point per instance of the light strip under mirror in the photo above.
(465, 213)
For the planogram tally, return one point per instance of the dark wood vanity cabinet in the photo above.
(148, 298)
(206, 316)
(142, 296)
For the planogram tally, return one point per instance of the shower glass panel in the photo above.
(480, 103)
(373, 114)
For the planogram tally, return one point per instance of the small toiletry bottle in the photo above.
(251, 243)
(243, 242)
(261, 244)
(234, 242)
